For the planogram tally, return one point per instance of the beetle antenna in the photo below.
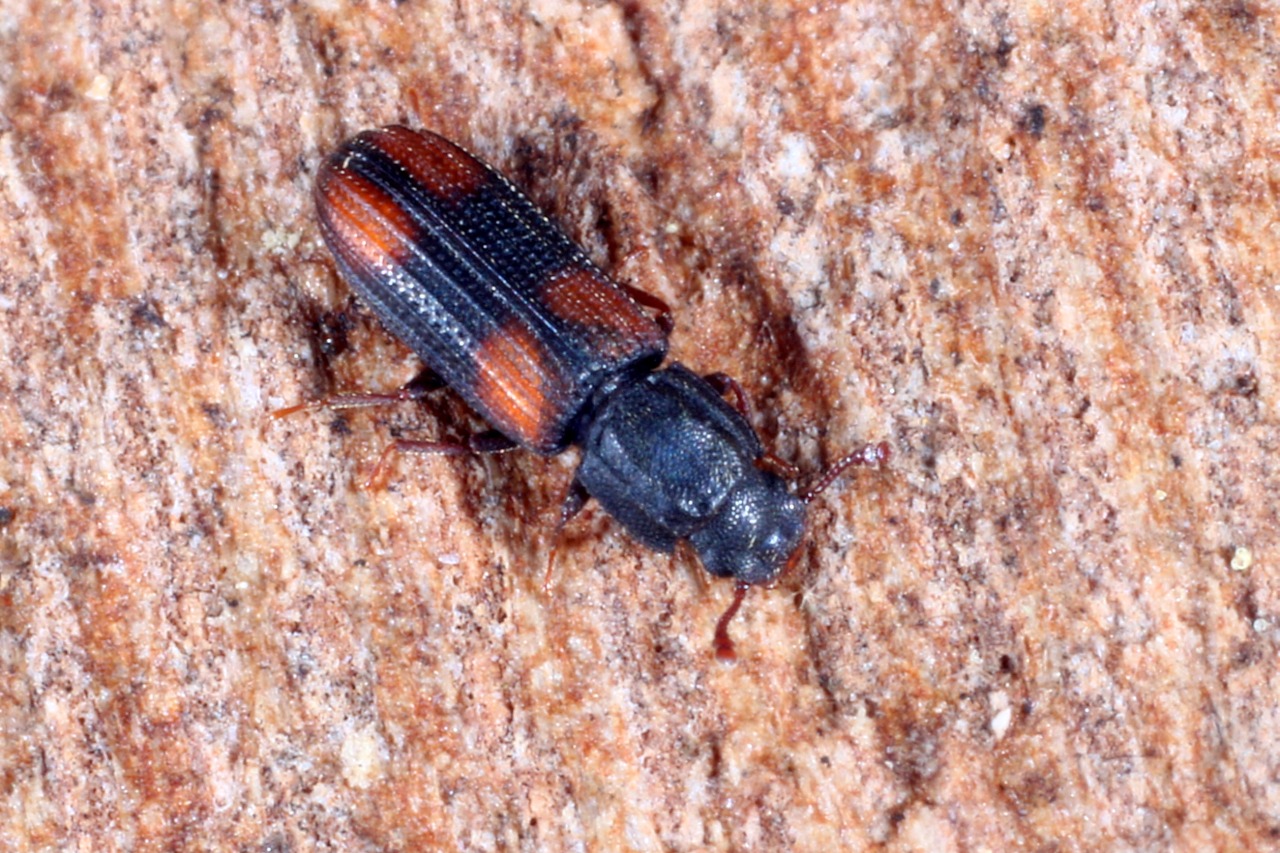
(867, 455)
(724, 645)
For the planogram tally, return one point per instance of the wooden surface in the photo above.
(1035, 248)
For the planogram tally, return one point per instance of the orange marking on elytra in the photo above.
(511, 371)
(583, 296)
(371, 227)
(442, 168)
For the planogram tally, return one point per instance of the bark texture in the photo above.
(1034, 247)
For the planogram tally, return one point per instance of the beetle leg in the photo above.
(723, 382)
(662, 311)
(489, 441)
(778, 465)
(683, 554)
(415, 389)
(575, 499)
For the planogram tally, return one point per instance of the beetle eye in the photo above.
(784, 536)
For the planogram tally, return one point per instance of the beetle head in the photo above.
(755, 533)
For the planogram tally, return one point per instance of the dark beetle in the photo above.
(512, 315)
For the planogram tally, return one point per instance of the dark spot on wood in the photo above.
(1032, 120)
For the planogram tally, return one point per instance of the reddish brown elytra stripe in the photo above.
(442, 168)
(370, 229)
(514, 387)
(584, 297)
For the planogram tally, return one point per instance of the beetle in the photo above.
(511, 314)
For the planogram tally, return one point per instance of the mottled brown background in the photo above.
(1035, 247)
